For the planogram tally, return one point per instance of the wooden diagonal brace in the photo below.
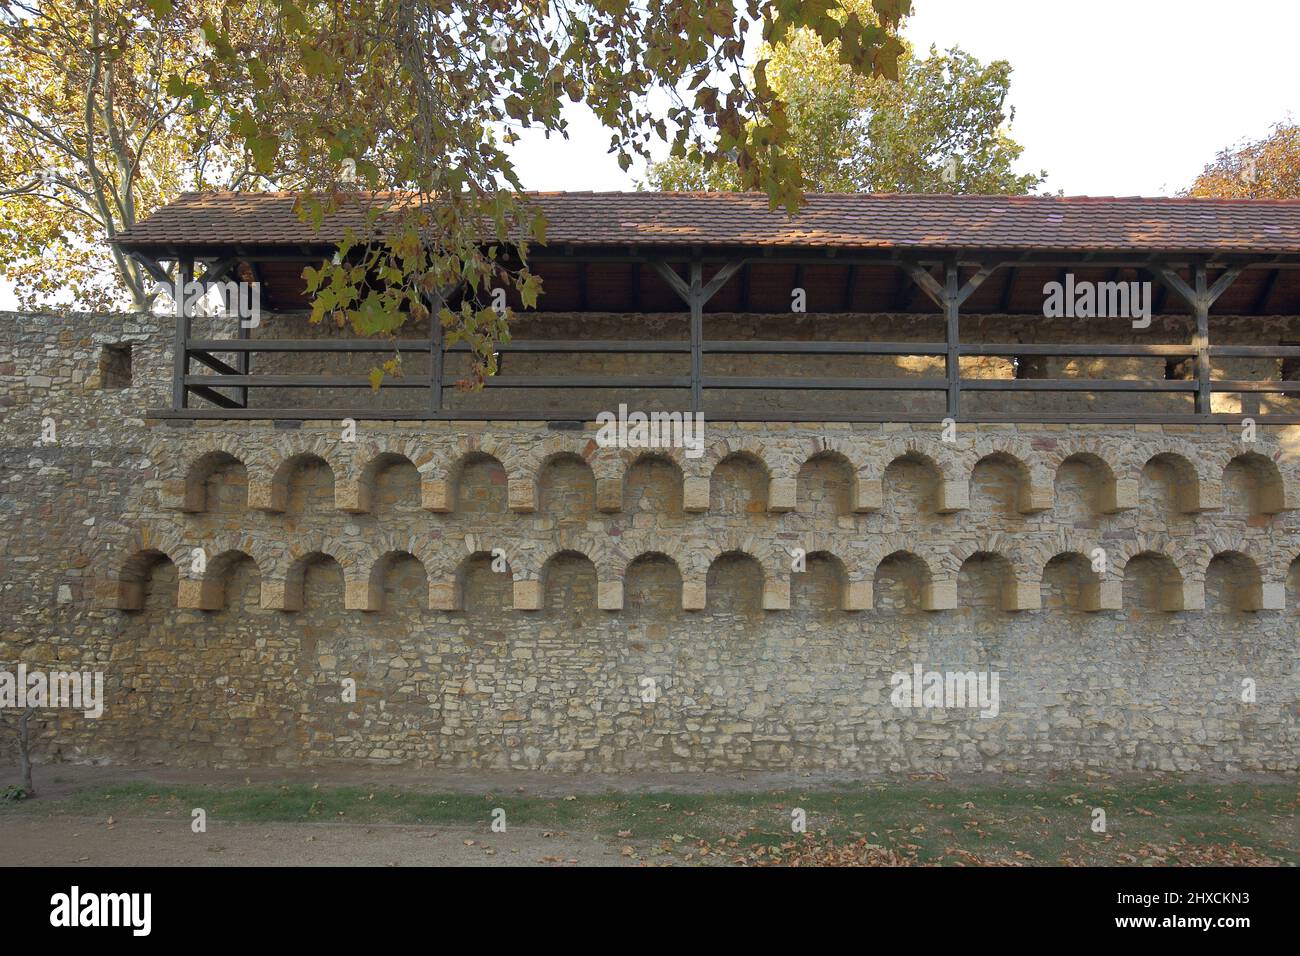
(153, 267)
(975, 281)
(670, 276)
(718, 281)
(928, 284)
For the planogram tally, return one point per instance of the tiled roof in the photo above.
(849, 221)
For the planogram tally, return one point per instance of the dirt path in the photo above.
(115, 816)
(81, 841)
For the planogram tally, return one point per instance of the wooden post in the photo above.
(1201, 340)
(181, 363)
(696, 301)
(696, 294)
(244, 361)
(949, 297)
(437, 352)
(952, 364)
(1200, 296)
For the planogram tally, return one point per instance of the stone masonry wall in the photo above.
(373, 561)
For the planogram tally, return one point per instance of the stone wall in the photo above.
(622, 572)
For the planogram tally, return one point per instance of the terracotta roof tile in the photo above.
(848, 221)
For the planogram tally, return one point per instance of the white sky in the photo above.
(1112, 97)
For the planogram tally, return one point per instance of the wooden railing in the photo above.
(229, 389)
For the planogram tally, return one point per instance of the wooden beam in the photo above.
(218, 270)
(181, 343)
(1223, 283)
(1175, 282)
(766, 415)
(263, 291)
(952, 365)
(927, 284)
(949, 297)
(904, 289)
(670, 276)
(1200, 296)
(696, 299)
(215, 397)
(720, 279)
(974, 282)
(214, 363)
(1004, 301)
(435, 302)
(154, 268)
(1201, 339)
(1266, 292)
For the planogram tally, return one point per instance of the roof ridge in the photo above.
(222, 220)
(728, 194)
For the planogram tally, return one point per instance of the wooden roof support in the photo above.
(153, 267)
(949, 297)
(1200, 299)
(696, 295)
(1008, 288)
(436, 302)
(1266, 292)
(217, 271)
(850, 280)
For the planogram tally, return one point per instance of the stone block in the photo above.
(360, 596)
(265, 495)
(695, 494)
(352, 496)
(522, 494)
(868, 495)
(1119, 495)
(1196, 496)
(1272, 596)
(954, 495)
(1107, 595)
(609, 495)
(1021, 596)
(940, 595)
(858, 596)
(782, 494)
(609, 595)
(528, 595)
(444, 596)
(436, 495)
(1035, 497)
(776, 595)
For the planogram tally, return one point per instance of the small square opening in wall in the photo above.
(115, 366)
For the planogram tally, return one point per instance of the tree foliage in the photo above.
(423, 99)
(409, 108)
(1267, 168)
(940, 128)
(90, 142)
